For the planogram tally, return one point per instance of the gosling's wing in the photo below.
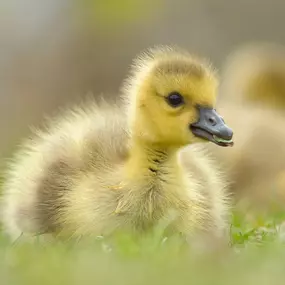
(87, 138)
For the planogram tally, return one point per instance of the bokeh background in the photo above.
(54, 52)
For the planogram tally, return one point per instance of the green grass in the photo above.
(256, 256)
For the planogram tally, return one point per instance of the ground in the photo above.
(256, 256)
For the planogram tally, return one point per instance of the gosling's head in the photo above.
(171, 97)
(254, 75)
(267, 88)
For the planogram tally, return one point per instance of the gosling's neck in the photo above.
(149, 160)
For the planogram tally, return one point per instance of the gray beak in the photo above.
(212, 127)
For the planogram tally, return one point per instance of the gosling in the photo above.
(102, 168)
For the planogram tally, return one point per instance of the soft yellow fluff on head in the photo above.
(153, 75)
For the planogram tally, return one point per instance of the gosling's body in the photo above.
(102, 168)
(255, 166)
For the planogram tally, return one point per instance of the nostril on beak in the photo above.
(212, 121)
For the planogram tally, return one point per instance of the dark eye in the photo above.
(175, 99)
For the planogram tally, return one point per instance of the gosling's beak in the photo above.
(212, 127)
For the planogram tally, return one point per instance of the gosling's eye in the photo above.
(175, 99)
